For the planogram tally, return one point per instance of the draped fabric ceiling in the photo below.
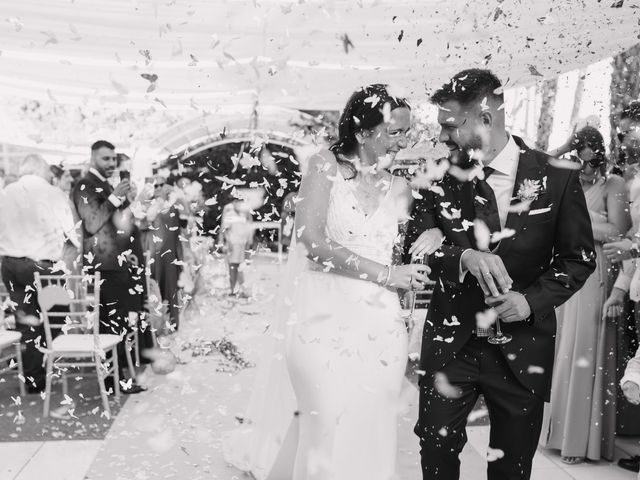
(200, 54)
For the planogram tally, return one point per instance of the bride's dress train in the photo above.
(326, 406)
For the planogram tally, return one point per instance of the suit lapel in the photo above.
(462, 196)
(529, 168)
(103, 184)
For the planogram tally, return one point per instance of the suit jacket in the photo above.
(103, 242)
(549, 258)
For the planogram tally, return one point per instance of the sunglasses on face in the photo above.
(158, 185)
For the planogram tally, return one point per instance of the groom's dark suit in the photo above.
(549, 258)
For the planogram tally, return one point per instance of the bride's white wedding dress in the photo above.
(325, 403)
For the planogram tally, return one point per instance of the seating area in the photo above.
(75, 342)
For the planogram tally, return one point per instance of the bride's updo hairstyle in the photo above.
(364, 111)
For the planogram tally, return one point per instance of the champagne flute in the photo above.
(422, 260)
(499, 338)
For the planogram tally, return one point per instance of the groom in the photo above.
(546, 259)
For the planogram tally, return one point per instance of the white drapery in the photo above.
(300, 54)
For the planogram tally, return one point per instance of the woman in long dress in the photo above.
(329, 405)
(580, 420)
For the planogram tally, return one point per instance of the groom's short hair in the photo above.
(470, 86)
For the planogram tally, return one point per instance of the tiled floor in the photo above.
(547, 464)
(155, 436)
(15, 457)
(71, 460)
(54, 460)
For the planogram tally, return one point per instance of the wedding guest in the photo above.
(629, 277)
(630, 384)
(35, 221)
(111, 246)
(581, 418)
(163, 243)
(61, 178)
(628, 133)
(287, 218)
(72, 252)
(622, 250)
(237, 233)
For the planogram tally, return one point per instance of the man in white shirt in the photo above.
(35, 221)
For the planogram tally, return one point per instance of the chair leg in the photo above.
(47, 388)
(116, 372)
(103, 390)
(21, 379)
(65, 384)
(136, 346)
(127, 351)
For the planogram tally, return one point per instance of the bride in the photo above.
(325, 402)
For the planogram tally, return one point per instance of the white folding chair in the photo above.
(88, 347)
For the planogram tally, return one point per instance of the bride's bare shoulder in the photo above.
(400, 184)
(323, 161)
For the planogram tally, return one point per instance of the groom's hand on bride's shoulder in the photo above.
(511, 306)
(489, 270)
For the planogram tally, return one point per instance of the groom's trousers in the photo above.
(447, 399)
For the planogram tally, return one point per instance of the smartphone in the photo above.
(124, 175)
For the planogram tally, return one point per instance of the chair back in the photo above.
(4, 298)
(76, 299)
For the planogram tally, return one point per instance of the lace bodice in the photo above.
(370, 236)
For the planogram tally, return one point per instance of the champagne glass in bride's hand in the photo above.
(420, 260)
(410, 296)
(497, 337)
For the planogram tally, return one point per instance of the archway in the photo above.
(220, 153)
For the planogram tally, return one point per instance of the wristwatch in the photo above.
(635, 250)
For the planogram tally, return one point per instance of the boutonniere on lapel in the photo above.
(529, 190)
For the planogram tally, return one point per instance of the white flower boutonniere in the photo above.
(529, 190)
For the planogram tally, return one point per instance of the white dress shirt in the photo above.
(35, 219)
(501, 181)
(632, 370)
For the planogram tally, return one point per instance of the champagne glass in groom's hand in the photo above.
(497, 337)
(511, 307)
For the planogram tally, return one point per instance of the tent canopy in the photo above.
(308, 54)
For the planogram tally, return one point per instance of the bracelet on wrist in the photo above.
(387, 276)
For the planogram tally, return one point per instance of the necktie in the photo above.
(486, 207)
(484, 201)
